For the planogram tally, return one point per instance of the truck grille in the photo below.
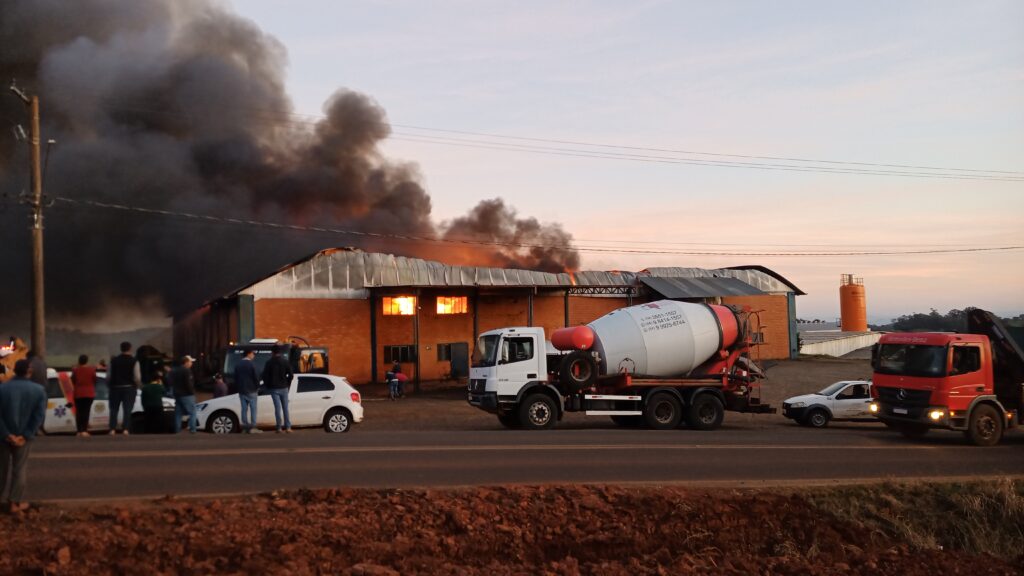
(904, 397)
(477, 386)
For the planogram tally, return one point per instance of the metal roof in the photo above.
(672, 288)
(351, 273)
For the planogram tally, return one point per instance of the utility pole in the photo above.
(35, 201)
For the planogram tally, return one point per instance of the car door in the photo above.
(60, 414)
(99, 416)
(313, 395)
(851, 402)
(518, 365)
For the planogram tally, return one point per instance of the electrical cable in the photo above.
(413, 238)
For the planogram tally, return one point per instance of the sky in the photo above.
(929, 83)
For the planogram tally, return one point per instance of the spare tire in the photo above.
(577, 371)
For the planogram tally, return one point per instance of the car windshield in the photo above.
(486, 353)
(832, 389)
(911, 360)
(234, 356)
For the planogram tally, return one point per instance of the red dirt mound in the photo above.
(492, 531)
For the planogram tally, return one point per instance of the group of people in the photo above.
(124, 381)
(23, 403)
(276, 376)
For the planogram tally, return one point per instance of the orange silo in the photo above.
(853, 306)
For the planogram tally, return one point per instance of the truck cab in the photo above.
(507, 363)
(304, 359)
(970, 382)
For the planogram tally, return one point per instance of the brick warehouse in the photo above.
(371, 309)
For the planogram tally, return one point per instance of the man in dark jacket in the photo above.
(248, 384)
(22, 410)
(183, 384)
(277, 377)
(124, 377)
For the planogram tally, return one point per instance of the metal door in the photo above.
(460, 360)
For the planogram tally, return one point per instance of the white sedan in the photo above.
(60, 406)
(844, 400)
(313, 400)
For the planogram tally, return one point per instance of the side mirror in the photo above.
(874, 355)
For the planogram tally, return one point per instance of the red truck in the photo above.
(971, 382)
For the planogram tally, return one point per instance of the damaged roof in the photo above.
(350, 273)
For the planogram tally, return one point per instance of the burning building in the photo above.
(371, 310)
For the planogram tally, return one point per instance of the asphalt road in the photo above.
(72, 469)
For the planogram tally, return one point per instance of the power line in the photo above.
(699, 153)
(586, 244)
(493, 243)
(669, 160)
(833, 166)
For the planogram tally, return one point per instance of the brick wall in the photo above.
(584, 309)
(774, 317)
(343, 326)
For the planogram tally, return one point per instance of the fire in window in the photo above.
(452, 304)
(399, 305)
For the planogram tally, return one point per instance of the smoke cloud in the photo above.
(181, 105)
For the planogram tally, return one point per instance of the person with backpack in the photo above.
(277, 377)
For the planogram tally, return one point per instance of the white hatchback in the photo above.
(60, 406)
(843, 400)
(313, 400)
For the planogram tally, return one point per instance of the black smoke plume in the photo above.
(180, 105)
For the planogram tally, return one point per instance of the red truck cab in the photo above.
(967, 382)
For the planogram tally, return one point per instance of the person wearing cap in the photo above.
(183, 383)
(124, 377)
(22, 411)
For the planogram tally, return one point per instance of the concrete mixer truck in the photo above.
(659, 365)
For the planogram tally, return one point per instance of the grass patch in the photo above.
(985, 517)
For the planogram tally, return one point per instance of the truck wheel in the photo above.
(509, 419)
(817, 418)
(538, 412)
(663, 411)
(628, 421)
(986, 427)
(577, 371)
(705, 412)
(912, 431)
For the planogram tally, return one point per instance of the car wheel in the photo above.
(705, 412)
(509, 419)
(222, 422)
(663, 411)
(337, 420)
(817, 418)
(537, 412)
(986, 427)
